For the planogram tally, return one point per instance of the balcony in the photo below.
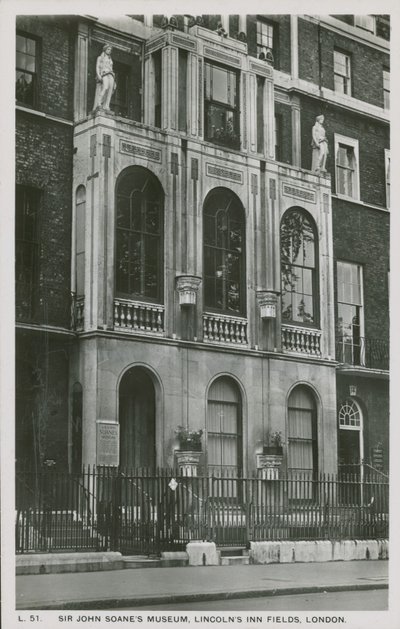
(301, 340)
(134, 316)
(224, 329)
(365, 352)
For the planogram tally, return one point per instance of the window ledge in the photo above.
(342, 197)
(41, 114)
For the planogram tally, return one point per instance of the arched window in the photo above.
(224, 426)
(224, 252)
(80, 240)
(302, 433)
(139, 234)
(299, 268)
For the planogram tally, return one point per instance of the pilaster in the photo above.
(296, 132)
(81, 72)
(294, 46)
(252, 112)
(169, 98)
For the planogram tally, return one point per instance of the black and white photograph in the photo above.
(195, 356)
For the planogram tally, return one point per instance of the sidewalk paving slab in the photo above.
(134, 588)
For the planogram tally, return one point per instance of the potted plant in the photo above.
(274, 444)
(189, 440)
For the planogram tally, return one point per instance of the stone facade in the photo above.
(178, 351)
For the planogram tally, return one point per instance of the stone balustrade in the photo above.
(224, 329)
(301, 340)
(136, 316)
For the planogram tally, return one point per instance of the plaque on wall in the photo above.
(107, 442)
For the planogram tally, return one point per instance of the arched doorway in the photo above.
(350, 437)
(137, 419)
(224, 427)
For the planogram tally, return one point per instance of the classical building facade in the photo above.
(180, 263)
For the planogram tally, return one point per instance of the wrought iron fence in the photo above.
(148, 511)
(363, 352)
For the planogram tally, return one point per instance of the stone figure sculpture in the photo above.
(319, 146)
(105, 79)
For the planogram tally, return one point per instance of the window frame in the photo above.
(387, 176)
(315, 324)
(224, 252)
(141, 234)
(35, 74)
(211, 102)
(275, 38)
(359, 22)
(386, 88)
(28, 246)
(341, 140)
(340, 337)
(347, 83)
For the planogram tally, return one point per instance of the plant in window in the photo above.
(189, 439)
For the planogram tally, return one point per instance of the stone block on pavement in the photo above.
(202, 554)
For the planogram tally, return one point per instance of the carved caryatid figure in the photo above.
(319, 145)
(105, 79)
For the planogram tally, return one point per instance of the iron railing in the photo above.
(363, 352)
(148, 511)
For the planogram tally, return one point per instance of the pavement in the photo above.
(134, 588)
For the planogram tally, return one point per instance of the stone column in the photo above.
(296, 132)
(169, 97)
(81, 72)
(294, 46)
(192, 96)
(252, 122)
(269, 118)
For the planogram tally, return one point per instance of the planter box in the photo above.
(188, 461)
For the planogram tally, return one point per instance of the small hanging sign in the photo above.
(173, 484)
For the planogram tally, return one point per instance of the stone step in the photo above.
(140, 561)
(235, 560)
(232, 551)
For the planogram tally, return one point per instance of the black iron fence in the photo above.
(363, 352)
(144, 511)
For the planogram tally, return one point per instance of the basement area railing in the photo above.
(148, 511)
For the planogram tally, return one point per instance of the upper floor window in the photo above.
(346, 166)
(27, 249)
(267, 38)
(298, 268)
(139, 234)
(221, 108)
(342, 72)
(387, 176)
(367, 22)
(224, 252)
(350, 312)
(386, 89)
(26, 70)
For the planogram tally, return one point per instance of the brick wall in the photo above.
(55, 62)
(44, 160)
(41, 399)
(361, 235)
(367, 63)
(373, 138)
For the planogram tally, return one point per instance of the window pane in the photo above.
(220, 85)
(123, 212)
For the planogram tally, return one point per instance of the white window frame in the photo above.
(387, 177)
(348, 86)
(386, 88)
(366, 22)
(361, 305)
(261, 36)
(352, 143)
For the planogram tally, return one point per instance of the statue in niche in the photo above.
(319, 146)
(105, 79)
